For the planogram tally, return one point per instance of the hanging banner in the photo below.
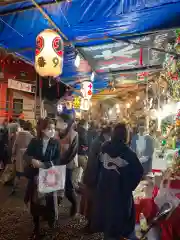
(21, 86)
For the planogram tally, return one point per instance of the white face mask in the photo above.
(49, 133)
(61, 125)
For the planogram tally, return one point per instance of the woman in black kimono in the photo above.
(118, 173)
(42, 152)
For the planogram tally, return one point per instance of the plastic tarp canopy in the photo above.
(88, 24)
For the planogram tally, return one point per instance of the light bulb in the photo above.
(137, 98)
(110, 111)
(77, 61)
(92, 76)
(117, 106)
(128, 105)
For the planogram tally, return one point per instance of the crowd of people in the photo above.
(104, 163)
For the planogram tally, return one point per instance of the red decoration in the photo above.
(89, 92)
(178, 40)
(141, 57)
(57, 46)
(40, 83)
(39, 45)
(90, 86)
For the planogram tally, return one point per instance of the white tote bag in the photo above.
(51, 179)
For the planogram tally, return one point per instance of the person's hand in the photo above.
(36, 163)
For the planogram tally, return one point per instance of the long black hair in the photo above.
(120, 133)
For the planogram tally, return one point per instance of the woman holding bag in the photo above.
(42, 152)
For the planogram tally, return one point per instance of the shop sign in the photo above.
(20, 86)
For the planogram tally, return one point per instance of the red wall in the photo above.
(12, 68)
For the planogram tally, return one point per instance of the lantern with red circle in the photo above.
(87, 89)
(49, 54)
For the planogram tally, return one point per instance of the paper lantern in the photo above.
(87, 89)
(85, 104)
(49, 54)
(77, 102)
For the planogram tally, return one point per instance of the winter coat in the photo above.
(82, 141)
(21, 143)
(117, 175)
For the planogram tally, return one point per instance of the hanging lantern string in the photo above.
(49, 20)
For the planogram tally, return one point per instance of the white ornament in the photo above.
(87, 89)
(49, 54)
(85, 104)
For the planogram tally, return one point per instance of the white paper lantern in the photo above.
(85, 104)
(87, 89)
(49, 54)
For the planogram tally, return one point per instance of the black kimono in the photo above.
(51, 156)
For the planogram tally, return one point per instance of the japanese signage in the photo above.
(21, 86)
(123, 55)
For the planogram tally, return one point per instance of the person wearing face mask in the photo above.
(42, 152)
(68, 138)
(143, 144)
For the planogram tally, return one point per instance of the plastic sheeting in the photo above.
(83, 20)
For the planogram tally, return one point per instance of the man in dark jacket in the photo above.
(92, 134)
(89, 178)
(118, 174)
(82, 150)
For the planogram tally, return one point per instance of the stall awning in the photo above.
(85, 23)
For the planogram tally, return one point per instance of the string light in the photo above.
(128, 105)
(77, 61)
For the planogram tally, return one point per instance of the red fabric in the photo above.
(169, 228)
(175, 184)
(147, 207)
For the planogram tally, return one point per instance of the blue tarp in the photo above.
(81, 20)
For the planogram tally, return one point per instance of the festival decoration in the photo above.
(85, 104)
(77, 102)
(143, 76)
(177, 45)
(59, 108)
(49, 54)
(87, 89)
(178, 119)
(163, 142)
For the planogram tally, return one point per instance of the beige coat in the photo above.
(23, 139)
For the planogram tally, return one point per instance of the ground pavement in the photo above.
(16, 224)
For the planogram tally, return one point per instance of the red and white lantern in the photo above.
(87, 89)
(49, 54)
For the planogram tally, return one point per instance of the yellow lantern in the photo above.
(87, 89)
(77, 102)
(49, 54)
